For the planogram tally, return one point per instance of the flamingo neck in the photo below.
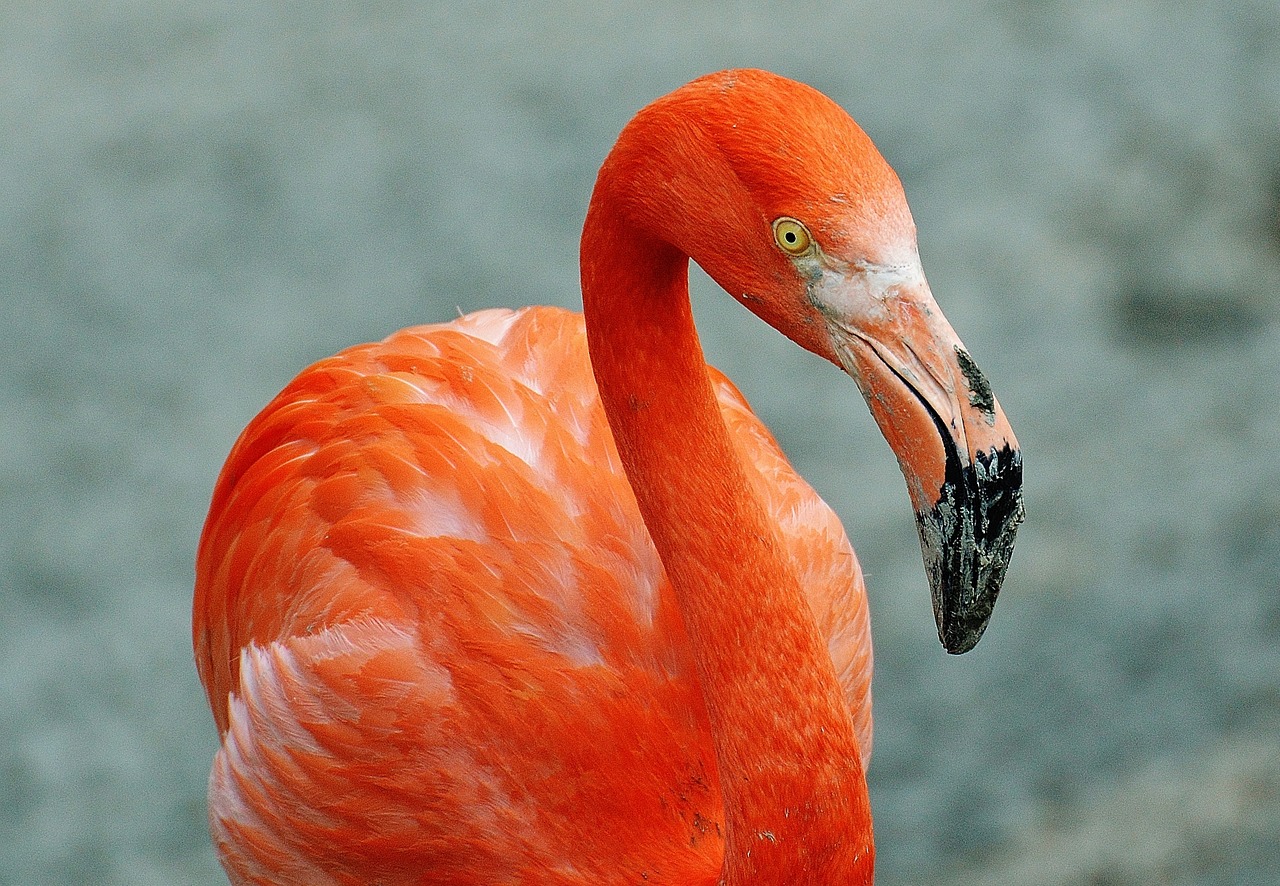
(794, 792)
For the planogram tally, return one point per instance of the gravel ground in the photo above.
(196, 200)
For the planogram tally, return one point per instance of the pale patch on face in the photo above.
(858, 293)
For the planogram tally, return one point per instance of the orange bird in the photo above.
(533, 598)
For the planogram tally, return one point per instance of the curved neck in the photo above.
(795, 798)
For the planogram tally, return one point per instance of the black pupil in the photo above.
(791, 236)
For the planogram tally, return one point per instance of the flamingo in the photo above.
(532, 597)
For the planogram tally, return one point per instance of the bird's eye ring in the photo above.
(791, 236)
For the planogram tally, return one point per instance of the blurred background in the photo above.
(198, 199)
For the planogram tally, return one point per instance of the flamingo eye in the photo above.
(791, 236)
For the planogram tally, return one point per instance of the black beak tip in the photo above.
(967, 540)
(958, 636)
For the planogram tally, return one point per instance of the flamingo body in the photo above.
(435, 630)
(533, 598)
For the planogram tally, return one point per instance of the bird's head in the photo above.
(783, 200)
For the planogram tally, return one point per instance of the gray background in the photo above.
(197, 199)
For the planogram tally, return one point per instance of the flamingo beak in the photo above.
(957, 452)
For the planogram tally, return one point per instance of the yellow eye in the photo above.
(791, 236)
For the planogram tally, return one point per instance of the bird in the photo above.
(533, 596)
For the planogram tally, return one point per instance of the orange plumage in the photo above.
(425, 552)
(452, 632)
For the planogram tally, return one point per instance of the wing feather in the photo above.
(433, 628)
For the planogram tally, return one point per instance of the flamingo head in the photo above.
(783, 200)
